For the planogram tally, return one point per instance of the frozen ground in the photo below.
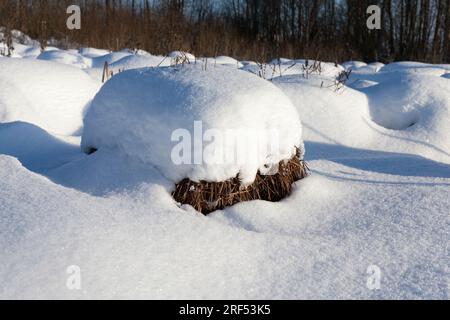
(379, 153)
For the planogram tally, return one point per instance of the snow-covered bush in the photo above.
(138, 111)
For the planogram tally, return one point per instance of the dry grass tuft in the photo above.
(207, 197)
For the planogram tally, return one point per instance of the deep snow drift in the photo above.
(378, 149)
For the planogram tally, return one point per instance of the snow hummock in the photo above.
(287, 67)
(328, 115)
(136, 61)
(92, 52)
(65, 57)
(50, 95)
(23, 45)
(179, 56)
(99, 61)
(138, 111)
(222, 60)
(411, 102)
(354, 65)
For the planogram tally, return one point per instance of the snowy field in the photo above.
(377, 197)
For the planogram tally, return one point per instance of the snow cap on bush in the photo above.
(148, 113)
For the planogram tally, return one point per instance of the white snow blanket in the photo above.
(138, 112)
(372, 220)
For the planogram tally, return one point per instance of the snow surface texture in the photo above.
(222, 60)
(50, 95)
(65, 57)
(180, 56)
(375, 197)
(137, 61)
(137, 112)
(287, 67)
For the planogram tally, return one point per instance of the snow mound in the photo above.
(370, 68)
(177, 55)
(282, 60)
(248, 63)
(416, 67)
(21, 50)
(327, 115)
(376, 66)
(360, 84)
(354, 65)
(303, 67)
(224, 60)
(18, 37)
(138, 112)
(49, 95)
(65, 57)
(112, 57)
(23, 45)
(138, 61)
(92, 52)
(416, 103)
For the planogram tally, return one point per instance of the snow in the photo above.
(413, 104)
(411, 66)
(138, 244)
(99, 61)
(138, 111)
(328, 115)
(23, 45)
(222, 60)
(36, 148)
(378, 149)
(354, 65)
(50, 95)
(65, 58)
(137, 61)
(118, 62)
(180, 55)
(92, 52)
(284, 67)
